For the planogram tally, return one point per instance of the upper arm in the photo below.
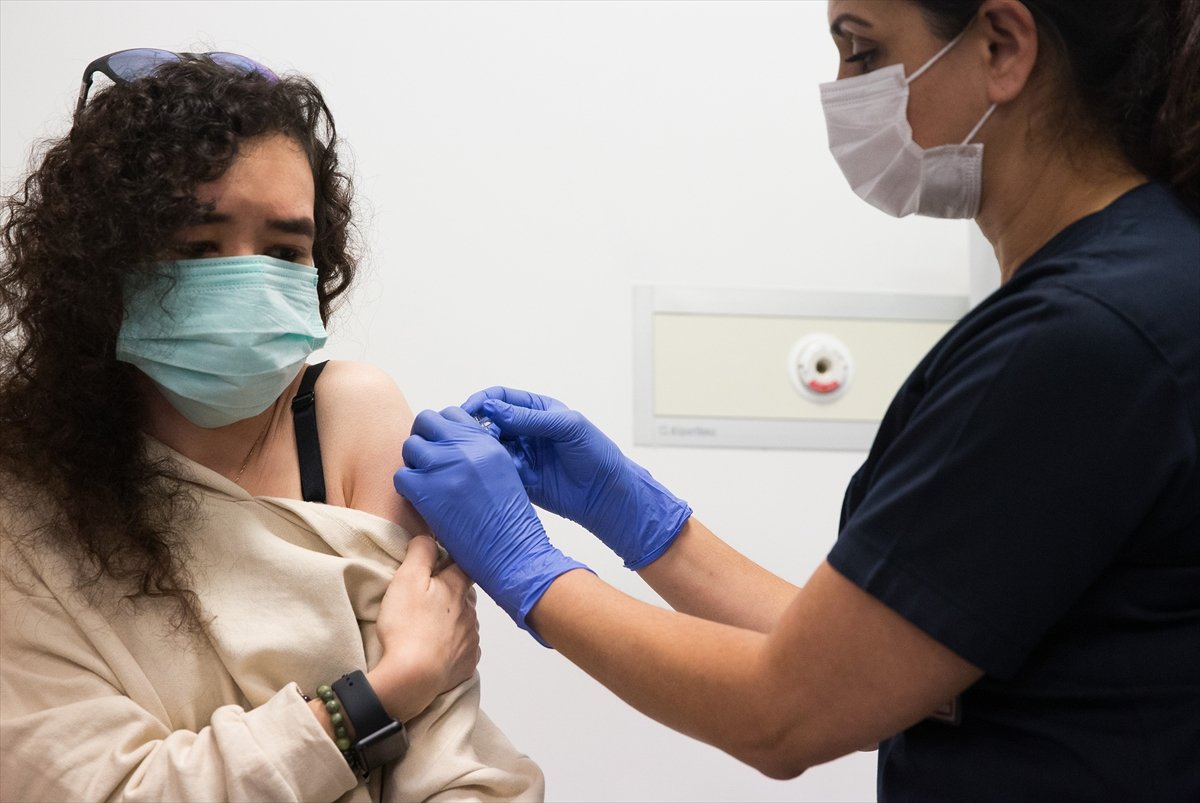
(844, 671)
(363, 419)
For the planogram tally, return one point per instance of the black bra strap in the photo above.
(308, 444)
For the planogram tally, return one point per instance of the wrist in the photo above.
(540, 573)
(379, 738)
(404, 688)
(547, 614)
(317, 706)
(659, 518)
(662, 538)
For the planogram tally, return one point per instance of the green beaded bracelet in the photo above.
(341, 738)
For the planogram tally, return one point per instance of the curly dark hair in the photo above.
(104, 200)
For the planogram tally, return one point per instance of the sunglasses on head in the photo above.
(129, 65)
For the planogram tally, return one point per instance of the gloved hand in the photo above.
(465, 486)
(571, 468)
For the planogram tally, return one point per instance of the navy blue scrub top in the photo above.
(1032, 501)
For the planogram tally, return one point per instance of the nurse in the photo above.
(1012, 606)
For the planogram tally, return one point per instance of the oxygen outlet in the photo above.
(820, 367)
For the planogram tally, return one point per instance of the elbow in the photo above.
(772, 731)
(778, 764)
(776, 751)
(785, 753)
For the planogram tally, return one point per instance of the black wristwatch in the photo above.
(378, 738)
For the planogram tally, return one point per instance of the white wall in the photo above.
(521, 166)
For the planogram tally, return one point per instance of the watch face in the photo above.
(389, 743)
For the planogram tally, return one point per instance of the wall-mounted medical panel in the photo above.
(776, 369)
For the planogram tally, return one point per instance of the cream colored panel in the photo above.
(775, 368)
(737, 366)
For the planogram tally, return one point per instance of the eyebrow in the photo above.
(293, 225)
(836, 27)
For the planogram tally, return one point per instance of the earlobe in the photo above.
(1012, 47)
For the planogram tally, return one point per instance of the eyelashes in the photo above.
(863, 56)
(194, 249)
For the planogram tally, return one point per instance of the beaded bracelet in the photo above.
(336, 718)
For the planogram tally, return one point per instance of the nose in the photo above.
(239, 248)
(226, 247)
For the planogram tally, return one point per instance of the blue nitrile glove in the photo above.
(465, 486)
(571, 468)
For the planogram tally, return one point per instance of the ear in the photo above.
(1011, 35)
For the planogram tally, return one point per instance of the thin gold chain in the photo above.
(261, 436)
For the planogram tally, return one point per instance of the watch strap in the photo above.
(378, 738)
(366, 714)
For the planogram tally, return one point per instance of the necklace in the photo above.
(261, 436)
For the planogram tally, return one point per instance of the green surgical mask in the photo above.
(222, 338)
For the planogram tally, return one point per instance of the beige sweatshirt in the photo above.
(106, 701)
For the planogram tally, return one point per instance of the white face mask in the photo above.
(870, 138)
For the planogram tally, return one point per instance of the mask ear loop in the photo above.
(933, 61)
(936, 56)
(979, 125)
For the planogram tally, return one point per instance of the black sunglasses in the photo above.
(129, 65)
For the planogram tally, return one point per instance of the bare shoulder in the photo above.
(359, 386)
(363, 419)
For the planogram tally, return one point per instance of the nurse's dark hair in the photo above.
(1133, 69)
(98, 203)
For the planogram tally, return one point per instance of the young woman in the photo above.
(1012, 606)
(208, 589)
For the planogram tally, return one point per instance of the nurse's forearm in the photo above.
(703, 576)
(707, 680)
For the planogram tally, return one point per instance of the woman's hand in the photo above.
(429, 632)
(465, 485)
(571, 468)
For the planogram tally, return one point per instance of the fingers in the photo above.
(514, 420)
(520, 398)
(433, 426)
(459, 415)
(420, 557)
(420, 450)
(475, 402)
(403, 483)
(447, 423)
(455, 578)
(417, 452)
